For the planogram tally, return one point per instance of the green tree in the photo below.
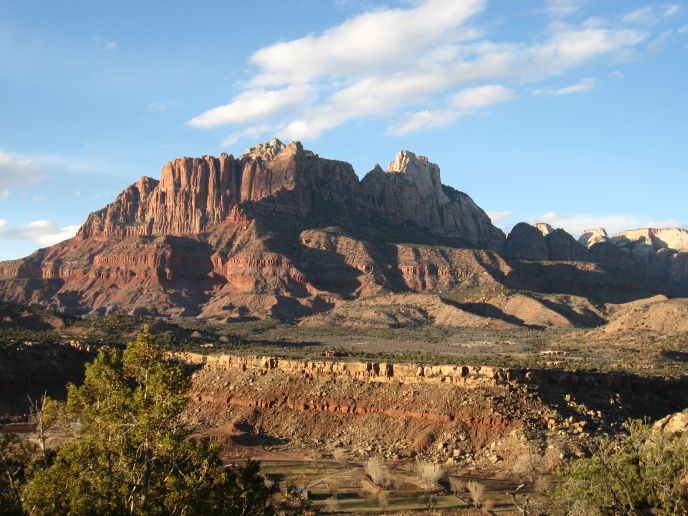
(646, 472)
(133, 454)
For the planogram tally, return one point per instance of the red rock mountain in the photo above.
(281, 231)
(278, 230)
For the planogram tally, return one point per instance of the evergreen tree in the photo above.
(133, 454)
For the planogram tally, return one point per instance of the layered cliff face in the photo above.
(411, 191)
(230, 237)
(280, 231)
(194, 195)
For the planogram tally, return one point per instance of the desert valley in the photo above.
(379, 257)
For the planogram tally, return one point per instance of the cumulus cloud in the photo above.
(417, 65)
(371, 40)
(576, 224)
(42, 232)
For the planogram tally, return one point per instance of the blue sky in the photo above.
(572, 112)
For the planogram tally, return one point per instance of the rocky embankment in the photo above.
(408, 410)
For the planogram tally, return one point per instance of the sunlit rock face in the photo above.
(410, 190)
(227, 236)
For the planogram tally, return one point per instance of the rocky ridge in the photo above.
(280, 231)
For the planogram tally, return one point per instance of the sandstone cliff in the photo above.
(280, 231)
(658, 253)
(411, 191)
(231, 237)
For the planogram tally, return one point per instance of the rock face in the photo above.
(563, 247)
(411, 191)
(659, 253)
(280, 231)
(544, 228)
(641, 242)
(226, 236)
(591, 237)
(542, 242)
(194, 195)
(526, 242)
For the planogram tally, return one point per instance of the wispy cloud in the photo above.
(652, 14)
(464, 103)
(42, 232)
(582, 86)
(16, 170)
(163, 105)
(19, 171)
(408, 65)
(250, 132)
(105, 44)
(252, 106)
(497, 216)
(562, 8)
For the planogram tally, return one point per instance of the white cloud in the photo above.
(683, 30)
(371, 40)
(251, 106)
(250, 132)
(461, 104)
(497, 216)
(651, 14)
(561, 8)
(576, 224)
(402, 64)
(19, 171)
(423, 120)
(582, 86)
(42, 232)
(482, 96)
(4, 194)
(657, 44)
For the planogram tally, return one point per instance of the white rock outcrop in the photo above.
(591, 237)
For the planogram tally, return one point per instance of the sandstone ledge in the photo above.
(381, 372)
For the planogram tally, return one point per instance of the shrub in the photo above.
(477, 491)
(378, 473)
(529, 466)
(644, 472)
(429, 473)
